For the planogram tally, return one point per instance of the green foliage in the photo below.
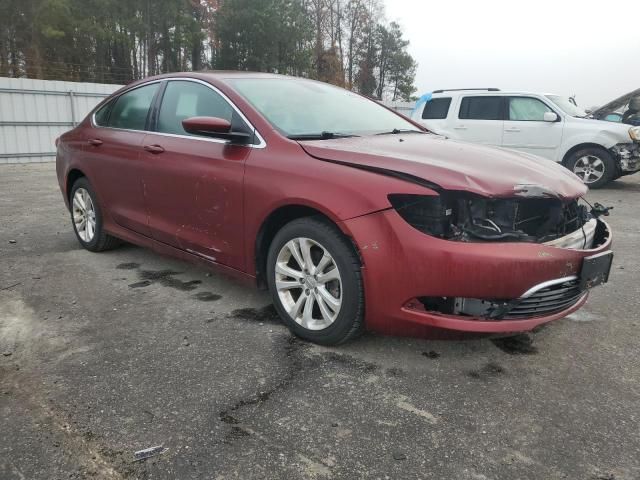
(345, 42)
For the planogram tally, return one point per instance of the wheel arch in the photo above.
(581, 146)
(277, 219)
(73, 176)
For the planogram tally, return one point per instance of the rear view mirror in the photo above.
(214, 127)
(550, 117)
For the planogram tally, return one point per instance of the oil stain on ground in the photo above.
(128, 266)
(491, 369)
(166, 278)
(516, 345)
(207, 296)
(266, 314)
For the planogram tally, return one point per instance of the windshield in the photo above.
(566, 106)
(299, 108)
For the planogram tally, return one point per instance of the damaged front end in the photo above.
(465, 217)
(628, 157)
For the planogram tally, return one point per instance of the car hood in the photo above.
(614, 105)
(452, 165)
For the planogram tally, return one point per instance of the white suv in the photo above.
(550, 126)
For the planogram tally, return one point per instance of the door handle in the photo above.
(512, 130)
(96, 142)
(460, 127)
(155, 149)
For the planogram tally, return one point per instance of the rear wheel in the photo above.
(86, 218)
(315, 282)
(594, 166)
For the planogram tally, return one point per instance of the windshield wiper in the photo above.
(321, 136)
(397, 131)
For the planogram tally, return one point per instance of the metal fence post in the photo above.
(73, 108)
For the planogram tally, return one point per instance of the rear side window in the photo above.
(131, 109)
(527, 109)
(182, 100)
(481, 108)
(436, 108)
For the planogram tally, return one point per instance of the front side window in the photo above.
(299, 107)
(131, 108)
(184, 99)
(527, 109)
(481, 108)
(436, 108)
(102, 116)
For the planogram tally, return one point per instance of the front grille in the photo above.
(546, 301)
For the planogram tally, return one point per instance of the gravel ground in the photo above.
(102, 355)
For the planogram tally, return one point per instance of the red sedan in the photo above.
(353, 216)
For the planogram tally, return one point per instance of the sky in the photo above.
(590, 48)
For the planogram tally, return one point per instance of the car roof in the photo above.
(449, 93)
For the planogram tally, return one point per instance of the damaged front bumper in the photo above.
(416, 284)
(628, 157)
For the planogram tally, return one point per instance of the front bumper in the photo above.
(628, 156)
(402, 265)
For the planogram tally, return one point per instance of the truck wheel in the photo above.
(594, 166)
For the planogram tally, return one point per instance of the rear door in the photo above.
(193, 184)
(113, 156)
(480, 119)
(526, 130)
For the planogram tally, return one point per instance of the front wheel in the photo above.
(315, 281)
(594, 166)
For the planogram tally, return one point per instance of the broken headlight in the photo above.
(429, 214)
(634, 133)
(465, 217)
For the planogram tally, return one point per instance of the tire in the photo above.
(594, 166)
(96, 240)
(293, 290)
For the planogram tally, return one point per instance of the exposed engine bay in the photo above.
(464, 217)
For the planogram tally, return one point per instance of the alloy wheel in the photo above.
(308, 283)
(84, 215)
(589, 168)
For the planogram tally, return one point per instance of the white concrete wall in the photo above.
(33, 113)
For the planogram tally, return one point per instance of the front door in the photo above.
(193, 184)
(526, 130)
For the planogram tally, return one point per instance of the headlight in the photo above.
(634, 133)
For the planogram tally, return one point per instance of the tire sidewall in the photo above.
(610, 170)
(352, 293)
(93, 244)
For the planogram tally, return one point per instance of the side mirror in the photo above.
(550, 117)
(214, 127)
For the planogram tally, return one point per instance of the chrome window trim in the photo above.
(548, 283)
(261, 141)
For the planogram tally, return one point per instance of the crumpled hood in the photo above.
(453, 165)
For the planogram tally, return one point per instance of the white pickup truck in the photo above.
(546, 125)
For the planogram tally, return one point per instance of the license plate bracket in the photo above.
(595, 270)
